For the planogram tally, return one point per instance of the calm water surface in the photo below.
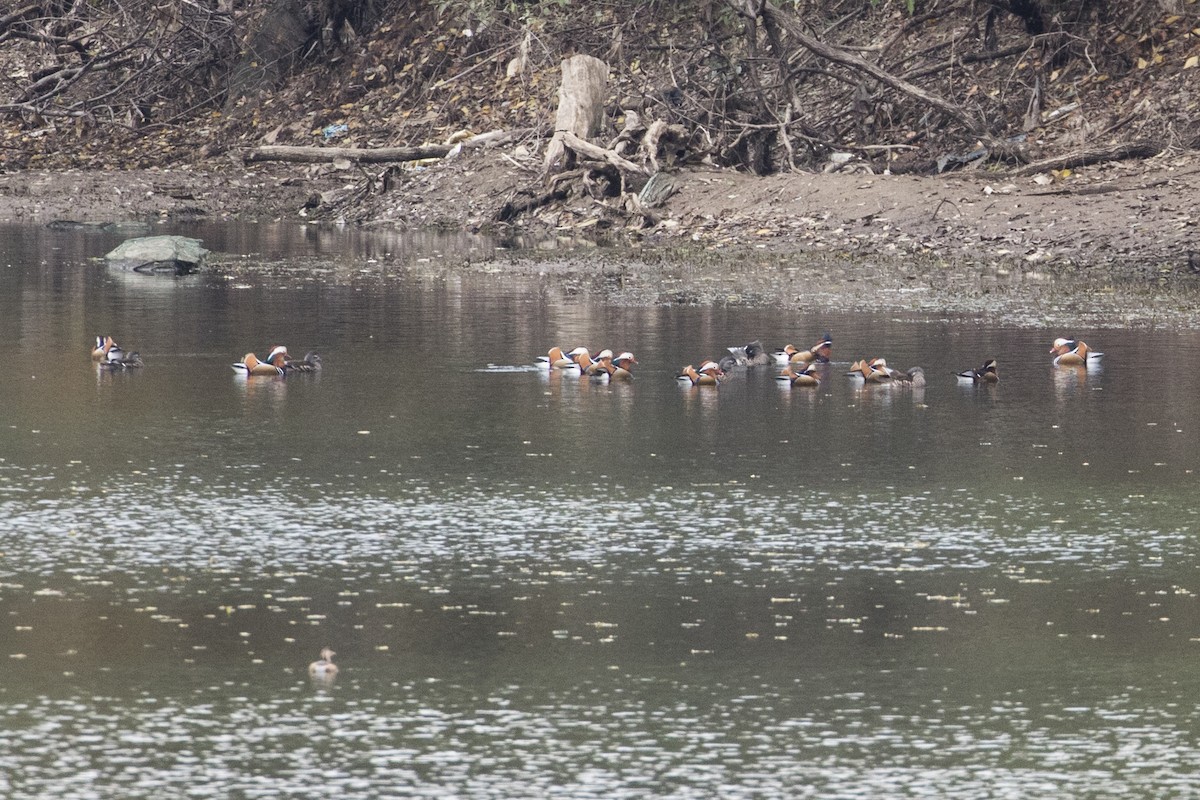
(538, 586)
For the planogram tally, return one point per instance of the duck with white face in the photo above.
(709, 374)
(1070, 352)
(557, 358)
(273, 365)
(600, 366)
(323, 669)
(818, 353)
(621, 367)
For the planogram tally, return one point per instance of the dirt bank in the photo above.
(1129, 219)
(1112, 246)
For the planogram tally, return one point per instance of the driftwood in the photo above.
(317, 155)
(632, 133)
(1093, 155)
(1089, 190)
(518, 205)
(377, 155)
(580, 105)
(604, 173)
(589, 150)
(493, 138)
(601, 172)
(656, 134)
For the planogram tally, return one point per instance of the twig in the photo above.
(445, 81)
(968, 58)
(945, 200)
(590, 150)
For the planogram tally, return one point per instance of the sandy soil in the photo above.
(1129, 223)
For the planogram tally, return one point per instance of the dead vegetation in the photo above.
(896, 85)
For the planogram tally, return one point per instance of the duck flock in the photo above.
(796, 367)
(109, 355)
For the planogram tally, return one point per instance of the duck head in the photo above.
(625, 360)
(1062, 345)
(278, 356)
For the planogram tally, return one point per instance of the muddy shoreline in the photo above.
(1115, 246)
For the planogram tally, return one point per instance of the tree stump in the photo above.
(580, 105)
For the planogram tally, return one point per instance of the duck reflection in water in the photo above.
(700, 397)
(271, 390)
(1070, 381)
(809, 396)
(914, 379)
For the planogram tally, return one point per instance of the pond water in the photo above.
(541, 586)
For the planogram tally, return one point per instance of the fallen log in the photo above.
(377, 155)
(318, 155)
(1088, 190)
(589, 150)
(1093, 155)
(494, 138)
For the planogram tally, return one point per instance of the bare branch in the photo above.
(796, 30)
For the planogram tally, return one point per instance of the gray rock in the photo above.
(177, 255)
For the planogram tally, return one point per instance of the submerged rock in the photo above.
(177, 255)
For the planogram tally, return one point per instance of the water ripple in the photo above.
(887, 533)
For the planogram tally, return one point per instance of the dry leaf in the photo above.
(1192, 62)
